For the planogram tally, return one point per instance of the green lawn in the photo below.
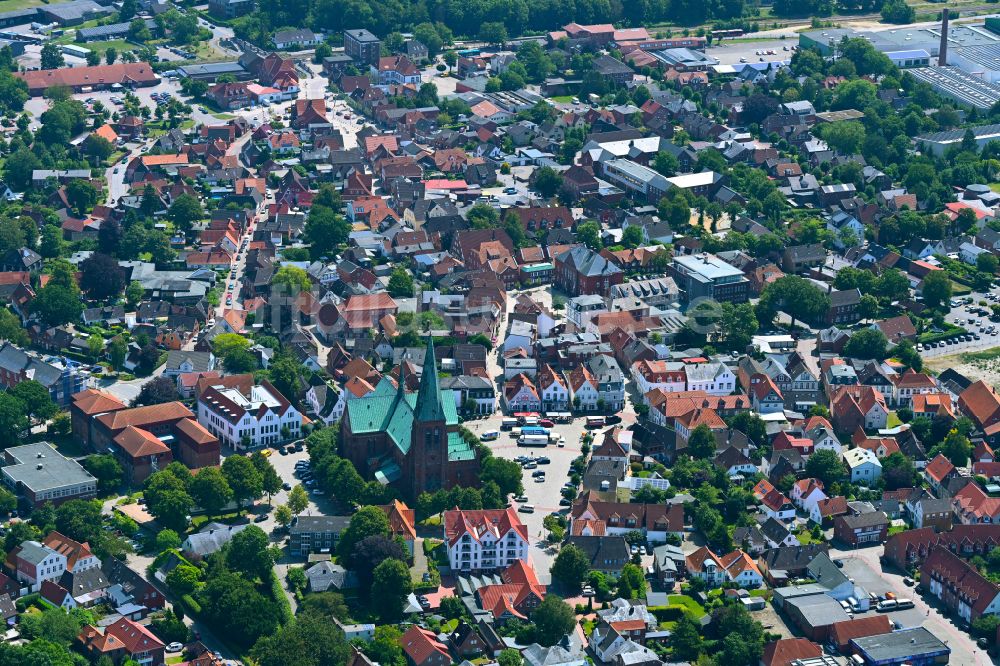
(563, 99)
(893, 420)
(449, 626)
(694, 609)
(11, 5)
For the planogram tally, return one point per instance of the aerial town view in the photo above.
(499, 333)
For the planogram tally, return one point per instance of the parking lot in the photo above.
(975, 319)
(543, 495)
(863, 567)
(731, 53)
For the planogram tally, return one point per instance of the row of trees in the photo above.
(173, 492)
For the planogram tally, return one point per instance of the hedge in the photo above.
(950, 332)
(193, 607)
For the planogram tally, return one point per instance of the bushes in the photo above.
(193, 607)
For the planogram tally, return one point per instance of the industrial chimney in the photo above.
(943, 51)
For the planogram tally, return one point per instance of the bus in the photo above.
(533, 440)
(595, 421)
(508, 423)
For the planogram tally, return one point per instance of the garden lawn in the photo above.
(694, 609)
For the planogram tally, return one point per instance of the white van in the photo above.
(490, 435)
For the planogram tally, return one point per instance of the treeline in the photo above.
(466, 17)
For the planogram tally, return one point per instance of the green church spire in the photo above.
(429, 406)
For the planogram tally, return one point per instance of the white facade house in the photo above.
(863, 465)
(583, 389)
(36, 563)
(552, 390)
(484, 540)
(712, 378)
(244, 415)
(807, 493)
(668, 376)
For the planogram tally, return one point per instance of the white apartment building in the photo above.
(245, 415)
(484, 540)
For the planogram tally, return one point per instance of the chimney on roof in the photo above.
(943, 50)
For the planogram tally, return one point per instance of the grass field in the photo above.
(13, 5)
(694, 609)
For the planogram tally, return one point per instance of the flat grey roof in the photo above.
(819, 610)
(901, 645)
(40, 467)
(707, 265)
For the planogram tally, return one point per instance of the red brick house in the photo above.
(123, 640)
(580, 270)
(866, 529)
(958, 585)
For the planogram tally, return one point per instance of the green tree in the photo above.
(106, 469)
(292, 278)
(957, 448)
(57, 305)
(987, 263)
(168, 500)
(110, 55)
(400, 283)
(510, 657)
(210, 490)
(547, 182)
(631, 582)
(750, 425)
(183, 579)
(245, 480)
(385, 648)
(632, 237)
(52, 244)
(326, 229)
(506, 474)
(589, 233)
(868, 343)
(826, 466)
(283, 515)
(391, 584)
(898, 471)
(553, 619)
(685, 641)
(298, 499)
(185, 211)
(36, 399)
(13, 420)
(368, 521)
(11, 329)
(571, 566)
(52, 57)
(167, 540)
(493, 32)
(701, 443)
(269, 475)
(936, 288)
(250, 553)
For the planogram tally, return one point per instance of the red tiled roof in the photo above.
(420, 645)
(786, 650)
(476, 523)
(841, 633)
